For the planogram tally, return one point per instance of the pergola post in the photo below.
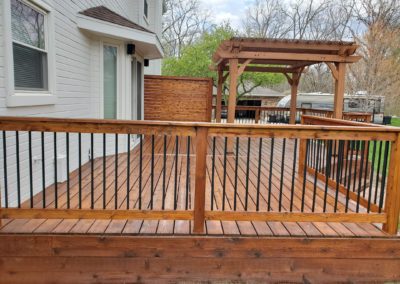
(220, 82)
(339, 90)
(233, 76)
(294, 84)
(293, 97)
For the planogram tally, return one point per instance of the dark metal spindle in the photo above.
(80, 168)
(236, 174)
(259, 174)
(43, 170)
(293, 174)
(5, 168)
(140, 169)
(247, 173)
(213, 174)
(176, 173)
(371, 180)
(104, 170)
(378, 171)
(187, 174)
(319, 142)
(384, 173)
(91, 171)
(68, 166)
(224, 175)
(304, 178)
(55, 172)
(270, 173)
(164, 171)
(327, 170)
(282, 172)
(152, 173)
(116, 174)
(30, 169)
(18, 169)
(128, 172)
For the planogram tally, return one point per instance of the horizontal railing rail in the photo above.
(113, 169)
(281, 115)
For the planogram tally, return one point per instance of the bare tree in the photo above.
(266, 19)
(183, 23)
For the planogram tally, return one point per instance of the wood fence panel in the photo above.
(177, 98)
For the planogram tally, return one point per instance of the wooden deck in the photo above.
(169, 227)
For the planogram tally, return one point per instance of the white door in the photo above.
(137, 85)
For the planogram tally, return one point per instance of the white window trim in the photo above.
(18, 98)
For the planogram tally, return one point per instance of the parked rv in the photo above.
(359, 102)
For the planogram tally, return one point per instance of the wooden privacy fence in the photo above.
(186, 171)
(171, 98)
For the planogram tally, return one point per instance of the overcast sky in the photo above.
(227, 10)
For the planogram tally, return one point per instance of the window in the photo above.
(146, 8)
(29, 45)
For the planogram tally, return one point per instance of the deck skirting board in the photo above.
(102, 258)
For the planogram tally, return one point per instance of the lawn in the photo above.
(395, 121)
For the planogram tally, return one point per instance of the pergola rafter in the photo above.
(288, 57)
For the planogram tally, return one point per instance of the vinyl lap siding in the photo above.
(77, 86)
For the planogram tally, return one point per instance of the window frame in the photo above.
(19, 97)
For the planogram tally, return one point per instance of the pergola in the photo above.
(289, 57)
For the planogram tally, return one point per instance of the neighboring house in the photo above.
(259, 96)
(75, 59)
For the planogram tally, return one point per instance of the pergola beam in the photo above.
(288, 56)
(265, 69)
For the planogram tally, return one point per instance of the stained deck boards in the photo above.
(184, 194)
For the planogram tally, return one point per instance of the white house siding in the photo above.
(77, 87)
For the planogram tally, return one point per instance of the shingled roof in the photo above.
(104, 14)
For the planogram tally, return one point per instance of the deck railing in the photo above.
(197, 171)
(279, 115)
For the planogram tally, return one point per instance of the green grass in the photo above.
(395, 121)
(371, 154)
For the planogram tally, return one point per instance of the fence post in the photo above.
(200, 179)
(392, 202)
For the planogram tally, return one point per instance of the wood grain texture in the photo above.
(110, 259)
(177, 98)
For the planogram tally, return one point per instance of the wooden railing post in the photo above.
(257, 116)
(200, 179)
(302, 154)
(392, 202)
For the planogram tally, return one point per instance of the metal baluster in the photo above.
(18, 169)
(176, 172)
(164, 170)
(187, 174)
(128, 171)
(224, 177)
(116, 174)
(5, 168)
(55, 172)
(270, 173)
(293, 174)
(259, 173)
(247, 172)
(68, 166)
(213, 174)
(236, 174)
(282, 171)
(152, 173)
(30, 169)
